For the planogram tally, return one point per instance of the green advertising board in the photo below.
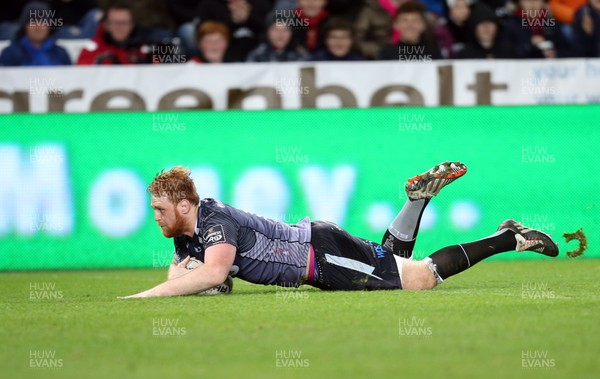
(72, 186)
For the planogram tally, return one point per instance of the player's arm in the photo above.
(218, 260)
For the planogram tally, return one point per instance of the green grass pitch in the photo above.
(526, 319)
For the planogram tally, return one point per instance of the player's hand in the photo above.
(179, 270)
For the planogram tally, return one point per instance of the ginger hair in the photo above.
(176, 184)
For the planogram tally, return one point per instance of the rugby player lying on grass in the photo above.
(318, 253)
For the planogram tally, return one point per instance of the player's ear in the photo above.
(184, 206)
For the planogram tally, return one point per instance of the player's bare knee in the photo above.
(416, 276)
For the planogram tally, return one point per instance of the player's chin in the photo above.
(166, 232)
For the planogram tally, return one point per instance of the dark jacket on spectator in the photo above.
(474, 50)
(586, 45)
(325, 55)
(265, 53)
(183, 11)
(460, 34)
(410, 52)
(198, 57)
(244, 37)
(373, 29)
(20, 52)
(345, 8)
(500, 7)
(499, 50)
(519, 36)
(102, 49)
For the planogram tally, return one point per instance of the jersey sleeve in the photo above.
(220, 228)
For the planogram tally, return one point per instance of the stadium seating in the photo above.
(450, 29)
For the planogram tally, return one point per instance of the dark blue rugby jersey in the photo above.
(268, 251)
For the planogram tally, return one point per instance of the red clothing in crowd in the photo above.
(312, 28)
(103, 50)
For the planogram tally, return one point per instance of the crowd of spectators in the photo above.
(219, 31)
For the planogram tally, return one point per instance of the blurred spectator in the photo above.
(459, 12)
(436, 7)
(79, 18)
(10, 12)
(564, 10)
(586, 30)
(213, 43)
(417, 42)
(118, 40)
(152, 18)
(374, 26)
(310, 15)
(183, 11)
(280, 45)
(534, 34)
(339, 38)
(442, 34)
(348, 9)
(245, 20)
(502, 8)
(486, 40)
(155, 20)
(285, 4)
(34, 44)
(186, 14)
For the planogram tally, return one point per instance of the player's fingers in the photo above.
(184, 262)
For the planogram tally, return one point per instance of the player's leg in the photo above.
(452, 260)
(402, 233)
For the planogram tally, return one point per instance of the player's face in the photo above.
(167, 217)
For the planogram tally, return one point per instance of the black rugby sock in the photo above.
(454, 259)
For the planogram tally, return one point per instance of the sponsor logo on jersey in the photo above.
(214, 234)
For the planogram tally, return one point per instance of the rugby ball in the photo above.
(222, 289)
